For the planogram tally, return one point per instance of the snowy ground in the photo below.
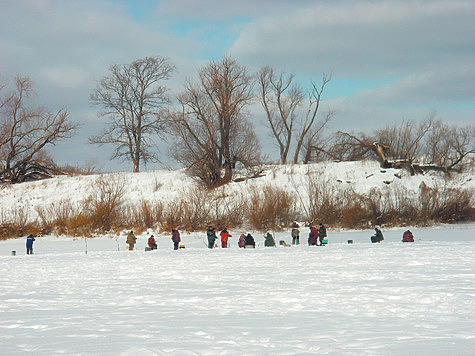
(341, 299)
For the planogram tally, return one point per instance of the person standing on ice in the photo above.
(131, 239)
(175, 238)
(225, 235)
(322, 233)
(242, 241)
(312, 236)
(295, 234)
(211, 234)
(29, 244)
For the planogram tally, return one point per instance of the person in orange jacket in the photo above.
(152, 244)
(224, 238)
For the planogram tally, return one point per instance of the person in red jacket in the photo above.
(407, 236)
(312, 236)
(152, 244)
(224, 238)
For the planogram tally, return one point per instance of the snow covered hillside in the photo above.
(164, 185)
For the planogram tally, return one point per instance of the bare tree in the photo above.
(406, 142)
(310, 119)
(352, 147)
(133, 99)
(25, 131)
(211, 129)
(449, 146)
(316, 143)
(281, 99)
(418, 147)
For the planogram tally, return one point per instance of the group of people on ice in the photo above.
(315, 237)
(151, 243)
(247, 240)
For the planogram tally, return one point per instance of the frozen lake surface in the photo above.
(341, 299)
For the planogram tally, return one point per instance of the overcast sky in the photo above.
(391, 60)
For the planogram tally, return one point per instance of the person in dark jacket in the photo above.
(295, 234)
(378, 236)
(269, 240)
(312, 236)
(29, 244)
(131, 239)
(211, 234)
(152, 244)
(175, 238)
(250, 241)
(407, 236)
(322, 233)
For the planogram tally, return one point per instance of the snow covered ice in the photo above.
(341, 299)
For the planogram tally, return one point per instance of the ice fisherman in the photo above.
(322, 233)
(250, 241)
(225, 235)
(242, 241)
(175, 238)
(269, 240)
(29, 244)
(131, 239)
(312, 236)
(295, 234)
(152, 244)
(378, 236)
(408, 236)
(211, 234)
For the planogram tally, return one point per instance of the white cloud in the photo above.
(361, 38)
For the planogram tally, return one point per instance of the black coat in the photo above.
(250, 240)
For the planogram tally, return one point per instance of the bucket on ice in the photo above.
(13, 253)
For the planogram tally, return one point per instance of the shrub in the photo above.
(172, 215)
(270, 208)
(105, 203)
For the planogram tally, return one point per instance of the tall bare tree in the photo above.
(283, 102)
(310, 124)
(25, 131)
(316, 144)
(133, 99)
(281, 99)
(211, 129)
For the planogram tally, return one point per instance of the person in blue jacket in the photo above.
(29, 244)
